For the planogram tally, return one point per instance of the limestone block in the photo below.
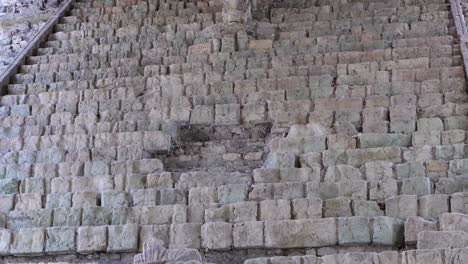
(382, 190)
(254, 113)
(91, 239)
(301, 233)
(366, 208)
(442, 239)
(67, 216)
(418, 186)
(122, 238)
(202, 114)
(453, 222)
(28, 201)
(217, 214)
(57, 200)
(171, 196)
(423, 256)
(388, 231)
(409, 170)
(356, 189)
(286, 260)
(148, 232)
(430, 124)
(310, 159)
(84, 199)
(5, 240)
(419, 153)
(378, 140)
(341, 142)
(60, 240)
(28, 241)
(353, 230)
(280, 160)
(379, 170)
(342, 172)
(433, 205)
(144, 197)
(257, 261)
(275, 210)
(300, 174)
(29, 219)
(416, 224)
(337, 207)
(93, 216)
(357, 157)
(33, 185)
(243, 211)
(457, 203)
(232, 193)
(248, 234)
(262, 175)
(114, 199)
(306, 208)
(9, 186)
(426, 138)
(185, 235)
(203, 195)
(402, 206)
(216, 235)
(227, 114)
(7, 202)
(160, 180)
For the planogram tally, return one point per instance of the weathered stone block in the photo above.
(306, 208)
(275, 210)
(67, 216)
(227, 114)
(92, 239)
(248, 234)
(148, 232)
(353, 230)
(402, 206)
(366, 208)
(28, 241)
(418, 186)
(442, 239)
(433, 205)
(185, 235)
(301, 233)
(60, 240)
(203, 195)
(416, 224)
(216, 235)
(122, 238)
(232, 193)
(388, 231)
(337, 207)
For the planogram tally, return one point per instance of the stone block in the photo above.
(301, 233)
(185, 235)
(379, 170)
(28, 202)
(306, 208)
(248, 234)
(442, 239)
(457, 203)
(418, 186)
(366, 208)
(148, 232)
(243, 212)
(275, 210)
(381, 190)
(28, 241)
(9, 186)
(113, 199)
(433, 205)
(217, 236)
(122, 238)
(203, 195)
(144, 197)
(202, 114)
(453, 222)
(91, 239)
(402, 206)
(337, 207)
(232, 193)
(388, 231)
(353, 231)
(60, 240)
(416, 224)
(409, 170)
(93, 216)
(84, 199)
(7, 202)
(58, 200)
(171, 196)
(67, 216)
(227, 114)
(5, 241)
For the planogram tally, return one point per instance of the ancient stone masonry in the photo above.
(256, 132)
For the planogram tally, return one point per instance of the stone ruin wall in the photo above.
(304, 131)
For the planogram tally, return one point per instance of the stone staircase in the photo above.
(329, 132)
